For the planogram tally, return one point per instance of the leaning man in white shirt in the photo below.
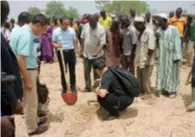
(93, 40)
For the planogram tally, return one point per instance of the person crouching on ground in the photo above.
(110, 94)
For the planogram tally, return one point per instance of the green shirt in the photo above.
(22, 44)
(192, 26)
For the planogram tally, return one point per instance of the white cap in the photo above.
(139, 19)
(163, 15)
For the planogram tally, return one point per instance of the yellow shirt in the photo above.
(107, 22)
(179, 23)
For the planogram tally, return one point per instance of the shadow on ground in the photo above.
(129, 113)
(126, 114)
(55, 117)
(186, 99)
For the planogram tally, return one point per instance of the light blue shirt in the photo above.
(22, 44)
(66, 38)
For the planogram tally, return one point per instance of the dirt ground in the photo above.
(153, 117)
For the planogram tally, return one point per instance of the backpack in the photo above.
(129, 83)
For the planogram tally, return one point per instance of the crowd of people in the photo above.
(134, 43)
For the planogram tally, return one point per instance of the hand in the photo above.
(95, 54)
(81, 55)
(59, 45)
(28, 84)
(97, 82)
(103, 93)
(17, 108)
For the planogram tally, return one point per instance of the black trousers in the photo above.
(113, 103)
(70, 60)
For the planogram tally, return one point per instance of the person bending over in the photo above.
(110, 94)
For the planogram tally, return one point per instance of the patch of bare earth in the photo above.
(148, 117)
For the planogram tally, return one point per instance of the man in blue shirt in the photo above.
(23, 46)
(64, 38)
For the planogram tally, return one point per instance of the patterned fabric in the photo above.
(168, 51)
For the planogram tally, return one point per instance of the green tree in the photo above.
(34, 10)
(72, 13)
(55, 9)
(121, 6)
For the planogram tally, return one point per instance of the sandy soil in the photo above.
(153, 117)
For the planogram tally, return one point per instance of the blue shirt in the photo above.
(66, 38)
(22, 44)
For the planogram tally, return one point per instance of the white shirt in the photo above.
(92, 40)
(146, 43)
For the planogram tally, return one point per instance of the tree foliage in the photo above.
(72, 13)
(121, 6)
(34, 10)
(56, 9)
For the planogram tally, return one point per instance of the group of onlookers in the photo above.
(134, 43)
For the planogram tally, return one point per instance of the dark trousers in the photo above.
(113, 104)
(128, 64)
(70, 60)
(88, 64)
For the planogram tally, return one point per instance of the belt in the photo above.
(31, 68)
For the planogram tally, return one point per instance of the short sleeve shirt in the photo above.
(146, 43)
(129, 39)
(106, 23)
(22, 44)
(92, 40)
(66, 38)
(179, 23)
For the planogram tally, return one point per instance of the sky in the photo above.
(89, 6)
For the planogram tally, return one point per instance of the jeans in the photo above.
(114, 103)
(70, 60)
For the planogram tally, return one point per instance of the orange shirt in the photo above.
(179, 23)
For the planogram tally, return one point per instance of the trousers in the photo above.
(144, 76)
(88, 64)
(30, 101)
(113, 103)
(70, 60)
(128, 64)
